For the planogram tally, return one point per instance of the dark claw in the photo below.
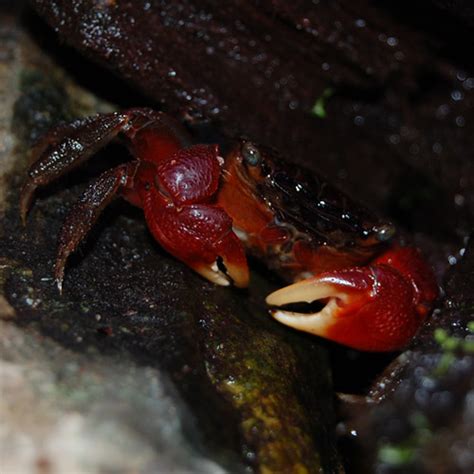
(65, 148)
(26, 197)
(68, 146)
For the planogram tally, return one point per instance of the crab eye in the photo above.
(251, 154)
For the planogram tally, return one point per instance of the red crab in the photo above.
(203, 210)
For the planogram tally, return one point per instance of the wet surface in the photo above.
(401, 89)
(396, 130)
(250, 390)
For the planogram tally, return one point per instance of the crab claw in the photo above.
(209, 246)
(201, 236)
(226, 264)
(373, 308)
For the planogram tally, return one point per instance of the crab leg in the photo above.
(68, 146)
(86, 211)
(65, 148)
(373, 308)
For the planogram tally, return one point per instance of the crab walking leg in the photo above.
(68, 146)
(374, 308)
(86, 211)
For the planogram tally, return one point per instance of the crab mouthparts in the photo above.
(308, 291)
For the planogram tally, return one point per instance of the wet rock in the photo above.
(374, 87)
(381, 101)
(62, 411)
(140, 363)
(462, 10)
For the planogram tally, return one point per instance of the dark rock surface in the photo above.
(394, 125)
(186, 376)
(461, 10)
(402, 89)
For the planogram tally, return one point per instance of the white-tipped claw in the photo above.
(213, 274)
(314, 323)
(308, 291)
(305, 291)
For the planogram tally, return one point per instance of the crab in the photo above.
(372, 294)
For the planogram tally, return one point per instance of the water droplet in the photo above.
(442, 111)
(293, 105)
(459, 200)
(399, 56)
(394, 139)
(460, 121)
(414, 149)
(468, 84)
(392, 41)
(457, 95)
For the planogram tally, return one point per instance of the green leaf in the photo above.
(396, 455)
(319, 109)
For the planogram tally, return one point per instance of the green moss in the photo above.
(419, 421)
(444, 363)
(469, 346)
(440, 335)
(257, 372)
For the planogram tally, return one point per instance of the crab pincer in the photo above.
(378, 307)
